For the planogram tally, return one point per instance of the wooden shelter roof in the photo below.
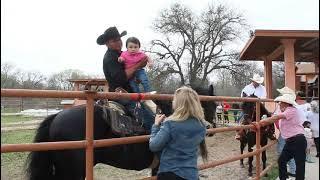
(266, 43)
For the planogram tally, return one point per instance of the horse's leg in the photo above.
(264, 141)
(154, 171)
(242, 146)
(70, 165)
(250, 160)
(264, 161)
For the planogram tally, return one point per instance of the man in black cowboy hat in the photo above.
(116, 74)
(114, 71)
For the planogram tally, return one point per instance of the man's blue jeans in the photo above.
(291, 163)
(147, 115)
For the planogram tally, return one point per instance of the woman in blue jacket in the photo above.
(179, 137)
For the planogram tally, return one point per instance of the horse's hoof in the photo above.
(242, 165)
(266, 175)
(250, 174)
(210, 135)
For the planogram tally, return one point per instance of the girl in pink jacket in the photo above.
(132, 56)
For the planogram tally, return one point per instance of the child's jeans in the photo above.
(143, 78)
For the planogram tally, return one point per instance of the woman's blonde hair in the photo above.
(186, 104)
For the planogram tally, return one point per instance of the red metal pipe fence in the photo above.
(89, 143)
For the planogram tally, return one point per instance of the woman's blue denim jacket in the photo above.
(179, 142)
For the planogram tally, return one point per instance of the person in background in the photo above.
(313, 117)
(236, 107)
(255, 87)
(219, 111)
(179, 137)
(281, 140)
(226, 107)
(303, 105)
(308, 135)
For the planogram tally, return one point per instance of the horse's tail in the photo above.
(39, 163)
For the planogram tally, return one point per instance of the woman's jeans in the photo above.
(291, 163)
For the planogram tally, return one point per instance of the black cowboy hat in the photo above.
(110, 33)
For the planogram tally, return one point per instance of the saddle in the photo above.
(121, 124)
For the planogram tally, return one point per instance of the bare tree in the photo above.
(8, 76)
(277, 77)
(230, 82)
(59, 81)
(240, 75)
(194, 46)
(31, 80)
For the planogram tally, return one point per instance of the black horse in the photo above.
(249, 136)
(69, 125)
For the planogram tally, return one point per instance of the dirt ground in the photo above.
(220, 146)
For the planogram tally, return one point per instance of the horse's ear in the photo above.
(211, 90)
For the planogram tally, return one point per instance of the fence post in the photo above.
(21, 105)
(258, 145)
(47, 106)
(89, 137)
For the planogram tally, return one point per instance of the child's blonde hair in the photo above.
(186, 103)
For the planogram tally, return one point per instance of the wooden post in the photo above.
(290, 74)
(258, 146)
(268, 76)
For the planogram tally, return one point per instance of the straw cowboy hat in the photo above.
(286, 90)
(256, 78)
(110, 33)
(286, 98)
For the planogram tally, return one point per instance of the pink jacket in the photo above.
(130, 59)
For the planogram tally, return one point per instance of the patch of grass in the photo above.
(10, 110)
(272, 174)
(15, 118)
(13, 163)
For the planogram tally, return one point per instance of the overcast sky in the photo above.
(53, 35)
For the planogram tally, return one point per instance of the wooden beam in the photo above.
(309, 42)
(246, 47)
(276, 53)
(287, 33)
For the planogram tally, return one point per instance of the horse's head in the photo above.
(249, 111)
(209, 107)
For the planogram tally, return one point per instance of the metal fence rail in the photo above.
(89, 143)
